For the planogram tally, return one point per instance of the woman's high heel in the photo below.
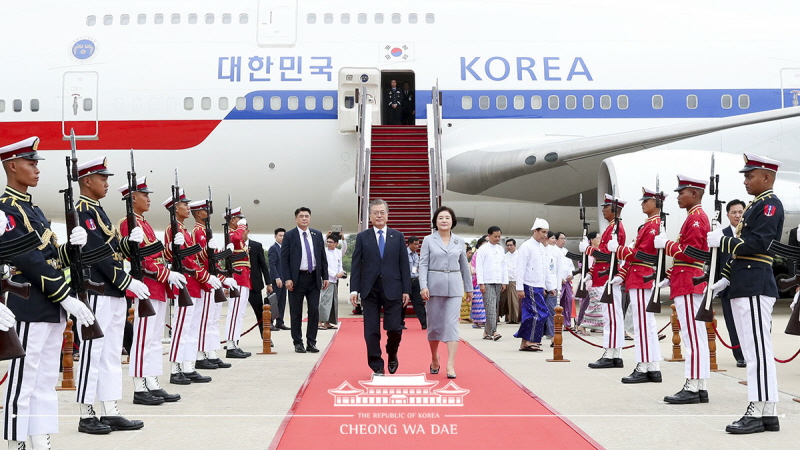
(434, 371)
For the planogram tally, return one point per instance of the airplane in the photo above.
(540, 101)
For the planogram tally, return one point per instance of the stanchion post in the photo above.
(130, 321)
(676, 336)
(67, 375)
(712, 343)
(266, 323)
(558, 338)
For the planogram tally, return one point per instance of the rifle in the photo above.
(229, 270)
(184, 299)
(608, 290)
(792, 253)
(79, 262)
(145, 306)
(10, 345)
(654, 304)
(581, 292)
(213, 255)
(705, 313)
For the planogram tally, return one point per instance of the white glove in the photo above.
(178, 239)
(229, 246)
(139, 289)
(660, 241)
(587, 280)
(720, 285)
(794, 302)
(616, 281)
(714, 236)
(81, 312)
(612, 245)
(3, 225)
(213, 244)
(241, 223)
(664, 283)
(7, 318)
(231, 283)
(215, 283)
(583, 245)
(137, 235)
(177, 279)
(78, 236)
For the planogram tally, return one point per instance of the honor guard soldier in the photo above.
(100, 374)
(753, 291)
(146, 364)
(237, 224)
(634, 272)
(209, 337)
(394, 104)
(186, 319)
(687, 296)
(30, 407)
(613, 325)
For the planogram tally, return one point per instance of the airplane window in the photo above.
(588, 102)
(275, 103)
(552, 102)
(378, 17)
(311, 103)
(622, 102)
(327, 103)
(605, 101)
(87, 104)
(91, 21)
(241, 103)
(222, 104)
(483, 102)
(258, 103)
(571, 102)
(2, 106)
(412, 18)
(188, 103)
(34, 105)
(192, 18)
(175, 18)
(124, 19)
(658, 102)
(519, 102)
(744, 101)
(226, 18)
(158, 19)
(362, 18)
(292, 102)
(344, 18)
(205, 103)
(502, 102)
(311, 18)
(691, 101)
(727, 101)
(466, 102)
(536, 102)
(108, 19)
(430, 18)
(349, 101)
(209, 19)
(396, 18)
(141, 19)
(328, 18)
(17, 105)
(244, 18)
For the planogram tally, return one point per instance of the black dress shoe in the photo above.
(683, 397)
(746, 425)
(246, 354)
(169, 398)
(179, 378)
(92, 425)
(703, 395)
(195, 377)
(146, 398)
(298, 348)
(219, 363)
(771, 423)
(204, 364)
(741, 363)
(602, 363)
(119, 423)
(392, 364)
(312, 348)
(636, 377)
(235, 353)
(654, 377)
(425, 326)
(618, 363)
(282, 327)
(379, 371)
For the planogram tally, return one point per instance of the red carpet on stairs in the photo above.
(342, 406)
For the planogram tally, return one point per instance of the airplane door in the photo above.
(353, 81)
(790, 87)
(79, 105)
(277, 23)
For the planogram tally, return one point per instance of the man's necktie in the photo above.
(308, 253)
(381, 242)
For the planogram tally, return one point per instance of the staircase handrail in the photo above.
(364, 132)
(435, 148)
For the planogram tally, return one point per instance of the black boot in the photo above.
(748, 424)
(92, 425)
(119, 423)
(146, 398)
(636, 377)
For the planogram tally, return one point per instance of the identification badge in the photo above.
(769, 210)
(90, 224)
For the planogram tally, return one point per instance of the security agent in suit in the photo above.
(735, 209)
(274, 257)
(407, 97)
(416, 297)
(394, 105)
(381, 274)
(305, 266)
(259, 277)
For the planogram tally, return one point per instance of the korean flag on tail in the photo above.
(396, 52)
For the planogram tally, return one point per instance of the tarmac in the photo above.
(244, 406)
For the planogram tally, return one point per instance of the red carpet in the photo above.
(483, 408)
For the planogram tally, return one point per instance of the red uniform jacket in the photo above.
(694, 232)
(242, 278)
(600, 266)
(153, 265)
(634, 271)
(193, 283)
(199, 234)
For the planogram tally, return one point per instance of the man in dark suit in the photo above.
(381, 274)
(394, 105)
(274, 257)
(407, 98)
(259, 276)
(735, 209)
(305, 268)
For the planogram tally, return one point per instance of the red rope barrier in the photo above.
(248, 330)
(725, 344)
(782, 361)
(4, 379)
(600, 346)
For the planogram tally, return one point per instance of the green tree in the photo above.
(347, 258)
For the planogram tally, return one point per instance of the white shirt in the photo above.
(532, 264)
(303, 258)
(490, 266)
(552, 282)
(334, 263)
(511, 265)
(566, 267)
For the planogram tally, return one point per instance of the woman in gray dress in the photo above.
(443, 279)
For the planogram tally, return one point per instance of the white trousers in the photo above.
(185, 329)
(753, 318)
(645, 330)
(236, 309)
(100, 372)
(212, 334)
(694, 336)
(31, 403)
(205, 311)
(146, 349)
(613, 319)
